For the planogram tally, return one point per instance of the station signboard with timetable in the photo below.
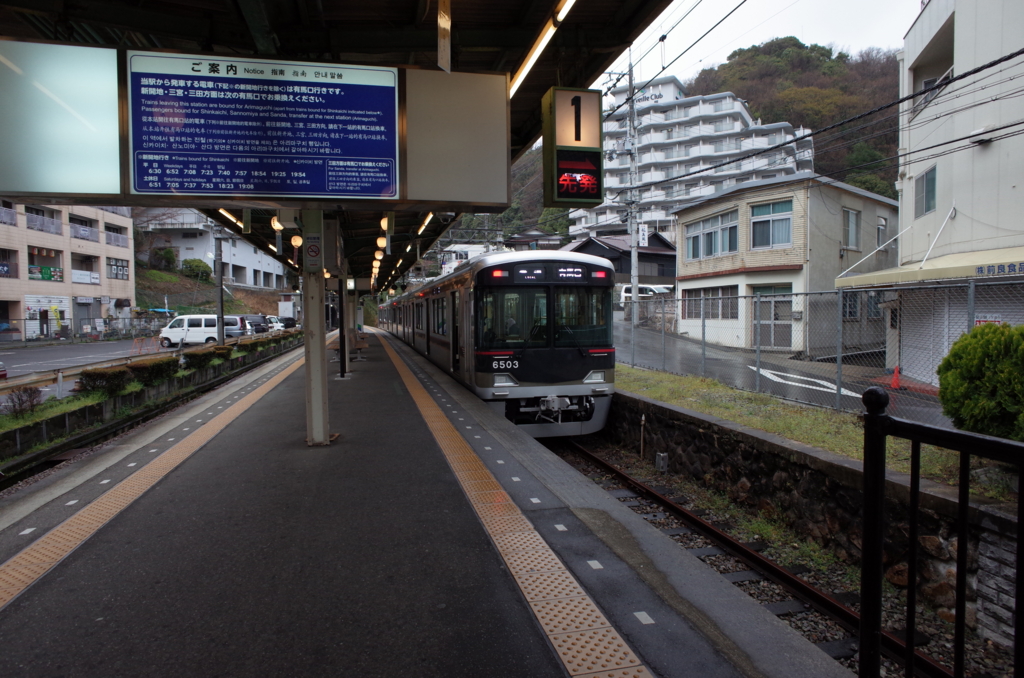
(573, 159)
(238, 126)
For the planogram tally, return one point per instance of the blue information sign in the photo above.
(243, 127)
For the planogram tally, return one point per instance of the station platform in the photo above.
(431, 538)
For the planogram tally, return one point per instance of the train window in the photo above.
(440, 312)
(582, 317)
(512, 317)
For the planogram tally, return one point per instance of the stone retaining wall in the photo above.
(819, 495)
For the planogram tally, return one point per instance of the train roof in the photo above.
(482, 261)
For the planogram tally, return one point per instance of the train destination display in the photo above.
(200, 125)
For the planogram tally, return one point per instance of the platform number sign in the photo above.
(573, 159)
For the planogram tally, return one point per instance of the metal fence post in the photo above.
(970, 305)
(875, 401)
(703, 336)
(663, 359)
(839, 349)
(757, 341)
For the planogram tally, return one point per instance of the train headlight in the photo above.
(504, 380)
(595, 377)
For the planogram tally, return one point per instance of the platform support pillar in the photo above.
(314, 328)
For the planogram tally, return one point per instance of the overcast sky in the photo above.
(847, 25)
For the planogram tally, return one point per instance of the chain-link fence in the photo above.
(820, 348)
(36, 330)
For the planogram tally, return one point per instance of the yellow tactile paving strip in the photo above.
(24, 569)
(584, 640)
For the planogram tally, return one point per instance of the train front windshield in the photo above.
(519, 317)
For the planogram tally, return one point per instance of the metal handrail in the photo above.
(877, 427)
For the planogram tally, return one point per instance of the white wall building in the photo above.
(190, 233)
(961, 201)
(63, 267)
(678, 136)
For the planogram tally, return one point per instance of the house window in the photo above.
(117, 268)
(774, 228)
(690, 131)
(713, 236)
(188, 235)
(622, 123)
(924, 193)
(881, 232)
(851, 306)
(723, 105)
(718, 302)
(851, 229)
(874, 311)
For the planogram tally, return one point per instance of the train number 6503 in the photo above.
(505, 364)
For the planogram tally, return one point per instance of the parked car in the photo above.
(274, 322)
(200, 329)
(644, 292)
(287, 322)
(258, 322)
(3, 371)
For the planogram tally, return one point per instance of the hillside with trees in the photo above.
(784, 80)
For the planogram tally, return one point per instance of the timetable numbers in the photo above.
(505, 364)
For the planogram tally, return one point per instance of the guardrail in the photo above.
(59, 376)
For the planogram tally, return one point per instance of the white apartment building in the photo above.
(960, 211)
(62, 268)
(679, 136)
(190, 234)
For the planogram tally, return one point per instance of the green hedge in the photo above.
(197, 360)
(110, 380)
(152, 372)
(981, 381)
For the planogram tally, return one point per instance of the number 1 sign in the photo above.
(573, 168)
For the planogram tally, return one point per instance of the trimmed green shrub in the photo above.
(223, 352)
(152, 372)
(197, 360)
(196, 268)
(981, 381)
(110, 380)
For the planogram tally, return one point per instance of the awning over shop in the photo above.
(985, 264)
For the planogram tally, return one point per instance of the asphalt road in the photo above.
(802, 381)
(54, 357)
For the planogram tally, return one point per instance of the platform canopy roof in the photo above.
(487, 35)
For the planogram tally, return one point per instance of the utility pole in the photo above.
(634, 263)
(218, 262)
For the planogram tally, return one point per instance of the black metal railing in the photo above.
(878, 426)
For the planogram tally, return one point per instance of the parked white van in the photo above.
(644, 292)
(200, 329)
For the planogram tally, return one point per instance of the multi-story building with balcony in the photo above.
(63, 267)
(680, 140)
(190, 234)
(961, 248)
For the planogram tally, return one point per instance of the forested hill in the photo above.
(784, 80)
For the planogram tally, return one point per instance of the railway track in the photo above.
(712, 543)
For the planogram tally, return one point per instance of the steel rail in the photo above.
(892, 646)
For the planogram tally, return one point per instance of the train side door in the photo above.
(456, 335)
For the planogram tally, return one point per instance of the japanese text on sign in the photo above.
(243, 127)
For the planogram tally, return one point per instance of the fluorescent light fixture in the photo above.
(532, 56)
(230, 216)
(409, 247)
(272, 248)
(426, 221)
(562, 10)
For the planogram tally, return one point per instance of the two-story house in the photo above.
(785, 239)
(63, 268)
(961, 184)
